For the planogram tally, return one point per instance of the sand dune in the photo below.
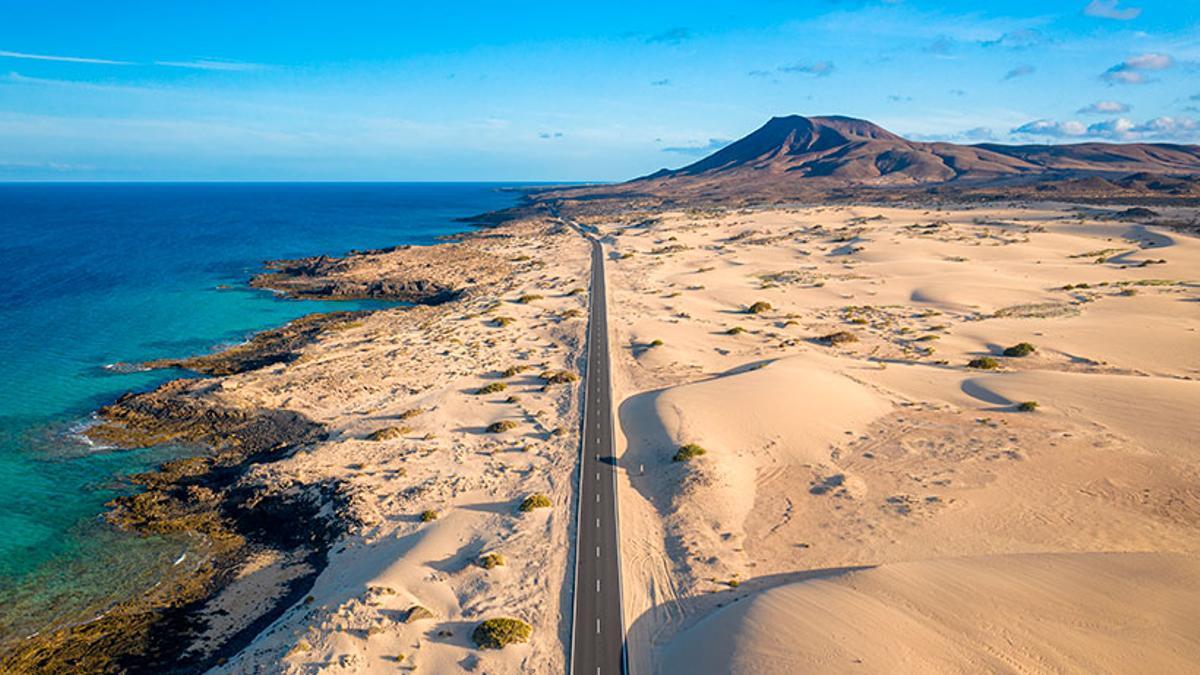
(1095, 613)
(992, 534)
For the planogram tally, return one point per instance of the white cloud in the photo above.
(1133, 70)
(1104, 108)
(1110, 9)
(1117, 129)
(1051, 128)
(713, 145)
(67, 59)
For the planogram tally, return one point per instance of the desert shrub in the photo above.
(429, 515)
(559, 376)
(1027, 406)
(656, 343)
(571, 313)
(513, 371)
(500, 632)
(528, 298)
(512, 398)
(502, 321)
(492, 388)
(501, 426)
(984, 363)
(1020, 349)
(736, 330)
(387, 434)
(759, 307)
(411, 413)
(840, 337)
(417, 613)
(489, 560)
(576, 291)
(688, 452)
(536, 501)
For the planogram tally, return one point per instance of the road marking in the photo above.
(597, 499)
(597, 522)
(597, 626)
(597, 551)
(597, 585)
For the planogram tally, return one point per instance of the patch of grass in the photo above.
(984, 363)
(429, 515)
(535, 501)
(489, 560)
(688, 452)
(501, 426)
(759, 307)
(387, 434)
(838, 338)
(1020, 349)
(491, 388)
(417, 613)
(559, 376)
(1027, 406)
(500, 632)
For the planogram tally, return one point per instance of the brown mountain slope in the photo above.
(797, 157)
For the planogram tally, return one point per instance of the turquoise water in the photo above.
(94, 274)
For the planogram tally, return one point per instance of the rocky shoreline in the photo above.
(242, 518)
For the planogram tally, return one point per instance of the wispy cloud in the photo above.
(713, 145)
(1051, 128)
(548, 134)
(66, 59)
(819, 69)
(1022, 38)
(661, 83)
(1104, 108)
(1111, 9)
(671, 36)
(1133, 70)
(212, 64)
(1020, 71)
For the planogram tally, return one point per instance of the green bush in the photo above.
(1027, 406)
(493, 388)
(688, 452)
(501, 426)
(984, 363)
(559, 376)
(1020, 349)
(500, 632)
(759, 307)
(537, 501)
(429, 515)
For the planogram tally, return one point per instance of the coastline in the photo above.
(225, 495)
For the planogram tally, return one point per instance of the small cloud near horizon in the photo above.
(661, 83)
(818, 69)
(1017, 39)
(1111, 9)
(713, 145)
(1133, 70)
(671, 36)
(1117, 129)
(1020, 71)
(1104, 108)
(547, 134)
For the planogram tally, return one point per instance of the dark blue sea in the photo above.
(95, 274)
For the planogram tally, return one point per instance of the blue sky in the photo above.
(305, 90)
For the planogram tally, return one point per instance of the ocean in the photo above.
(97, 274)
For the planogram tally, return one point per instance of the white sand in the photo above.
(889, 450)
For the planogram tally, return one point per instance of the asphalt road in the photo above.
(598, 633)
